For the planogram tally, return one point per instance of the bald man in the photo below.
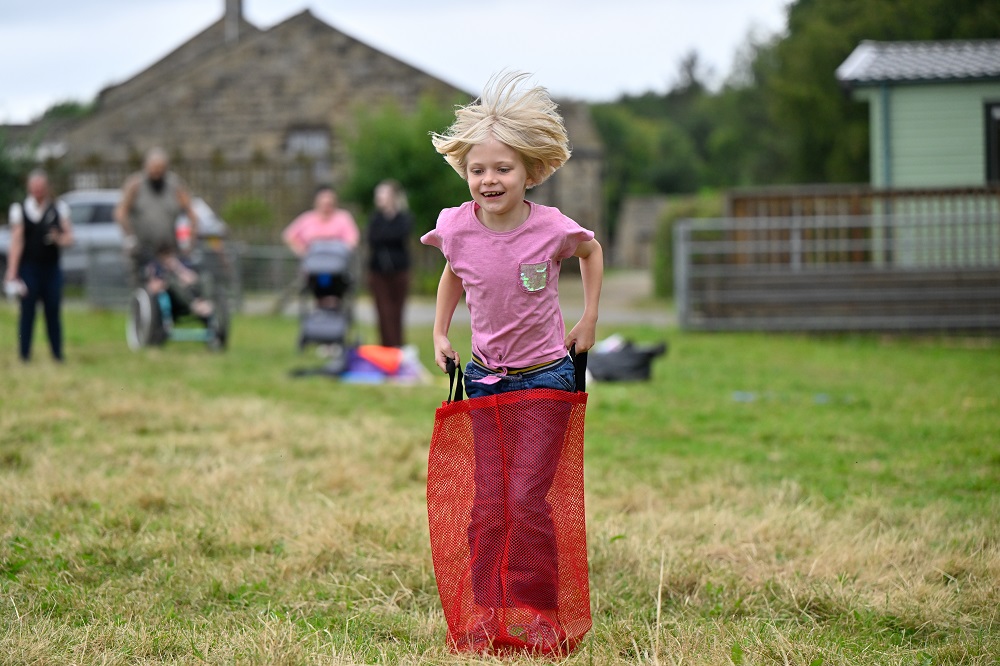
(152, 200)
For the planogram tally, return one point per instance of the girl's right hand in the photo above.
(443, 352)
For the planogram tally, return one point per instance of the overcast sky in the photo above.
(595, 50)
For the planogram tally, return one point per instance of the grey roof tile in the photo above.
(896, 62)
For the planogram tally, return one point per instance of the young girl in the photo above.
(505, 253)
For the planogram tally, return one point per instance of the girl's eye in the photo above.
(504, 169)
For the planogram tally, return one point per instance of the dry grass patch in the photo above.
(179, 508)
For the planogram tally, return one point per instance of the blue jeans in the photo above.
(560, 376)
(512, 540)
(44, 283)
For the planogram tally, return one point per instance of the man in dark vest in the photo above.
(40, 227)
(152, 200)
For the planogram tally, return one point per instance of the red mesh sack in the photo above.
(507, 524)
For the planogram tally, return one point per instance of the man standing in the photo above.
(40, 227)
(152, 200)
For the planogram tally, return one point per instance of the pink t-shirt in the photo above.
(310, 226)
(511, 281)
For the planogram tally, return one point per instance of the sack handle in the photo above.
(454, 387)
(580, 364)
(456, 378)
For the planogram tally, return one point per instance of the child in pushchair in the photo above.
(325, 308)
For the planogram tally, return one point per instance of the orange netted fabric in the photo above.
(505, 504)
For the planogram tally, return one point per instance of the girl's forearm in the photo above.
(449, 293)
(592, 273)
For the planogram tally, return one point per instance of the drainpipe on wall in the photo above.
(886, 139)
(887, 173)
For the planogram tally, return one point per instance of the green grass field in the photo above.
(764, 500)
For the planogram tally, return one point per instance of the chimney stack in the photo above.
(232, 20)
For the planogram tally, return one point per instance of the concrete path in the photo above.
(626, 298)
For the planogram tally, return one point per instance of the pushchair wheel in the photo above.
(144, 326)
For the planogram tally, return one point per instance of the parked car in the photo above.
(94, 227)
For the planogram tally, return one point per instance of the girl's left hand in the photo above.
(583, 335)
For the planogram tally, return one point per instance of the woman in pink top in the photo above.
(324, 222)
(504, 254)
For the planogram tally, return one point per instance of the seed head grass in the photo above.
(762, 500)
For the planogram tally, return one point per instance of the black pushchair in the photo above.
(325, 307)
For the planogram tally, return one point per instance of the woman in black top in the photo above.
(389, 259)
(40, 227)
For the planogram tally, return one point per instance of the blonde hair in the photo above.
(528, 121)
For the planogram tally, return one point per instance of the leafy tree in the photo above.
(655, 143)
(744, 146)
(828, 130)
(391, 144)
(248, 213)
(781, 116)
(676, 165)
(67, 110)
(13, 171)
(629, 156)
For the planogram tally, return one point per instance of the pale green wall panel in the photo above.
(936, 136)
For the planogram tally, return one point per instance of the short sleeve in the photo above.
(291, 232)
(432, 237)
(15, 215)
(575, 234)
(63, 209)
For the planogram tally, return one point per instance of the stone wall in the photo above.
(242, 100)
(637, 224)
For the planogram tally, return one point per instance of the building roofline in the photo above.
(920, 62)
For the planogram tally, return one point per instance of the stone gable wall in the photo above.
(212, 103)
(240, 101)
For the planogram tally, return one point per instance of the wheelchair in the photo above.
(162, 310)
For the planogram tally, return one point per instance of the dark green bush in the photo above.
(704, 204)
(247, 216)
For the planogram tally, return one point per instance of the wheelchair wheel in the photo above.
(218, 323)
(144, 326)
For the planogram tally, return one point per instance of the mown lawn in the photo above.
(763, 500)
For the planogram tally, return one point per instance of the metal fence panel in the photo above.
(108, 283)
(844, 272)
(264, 272)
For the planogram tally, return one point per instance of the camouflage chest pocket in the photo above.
(534, 276)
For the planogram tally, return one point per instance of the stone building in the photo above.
(242, 93)
(638, 223)
(237, 95)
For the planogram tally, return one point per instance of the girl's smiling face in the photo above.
(498, 180)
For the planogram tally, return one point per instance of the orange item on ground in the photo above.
(387, 359)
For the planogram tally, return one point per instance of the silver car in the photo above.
(95, 229)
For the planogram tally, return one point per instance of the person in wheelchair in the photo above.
(178, 277)
(171, 288)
